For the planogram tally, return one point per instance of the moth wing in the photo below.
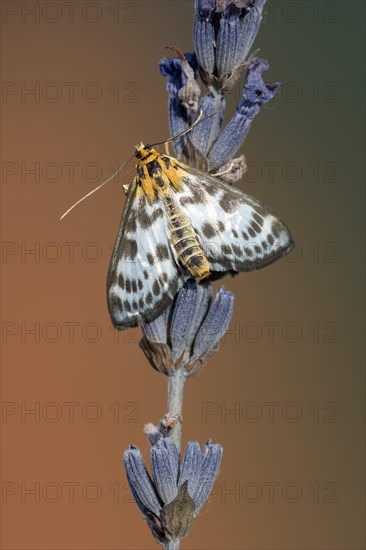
(236, 231)
(143, 275)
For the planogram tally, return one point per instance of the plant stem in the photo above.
(175, 405)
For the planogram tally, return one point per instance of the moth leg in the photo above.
(166, 147)
(222, 172)
(232, 171)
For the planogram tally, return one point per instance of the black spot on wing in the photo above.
(258, 218)
(230, 203)
(209, 230)
(156, 288)
(197, 194)
(112, 278)
(212, 190)
(209, 183)
(256, 227)
(129, 249)
(121, 281)
(150, 259)
(115, 302)
(163, 278)
(237, 249)
(226, 249)
(127, 306)
(277, 228)
(145, 219)
(131, 225)
(162, 252)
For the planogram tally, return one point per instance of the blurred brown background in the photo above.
(285, 394)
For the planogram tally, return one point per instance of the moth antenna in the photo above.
(199, 119)
(96, 189)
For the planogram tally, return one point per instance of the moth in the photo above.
(179, 223)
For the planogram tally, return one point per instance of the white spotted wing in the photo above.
(143, 275)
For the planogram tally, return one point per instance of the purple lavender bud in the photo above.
(182, 313)
(178, 114)
(188, 311)
(204, 34)
(140, 482)
(239, 25)
(191, 467)
(208, 130)
(214, 326)
(210, 469)
(173, 456)
(164, 464)
(255, 94)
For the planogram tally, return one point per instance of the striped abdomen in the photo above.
(184, 241)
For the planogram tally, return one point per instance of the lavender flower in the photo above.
(189, 332)
(174, 496)
(224, 32)
(204, 147)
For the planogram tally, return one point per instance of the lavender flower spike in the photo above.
(187, 334)
(172, 499)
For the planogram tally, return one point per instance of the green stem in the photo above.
(175, 403)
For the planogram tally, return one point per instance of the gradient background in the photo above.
(293, 479)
